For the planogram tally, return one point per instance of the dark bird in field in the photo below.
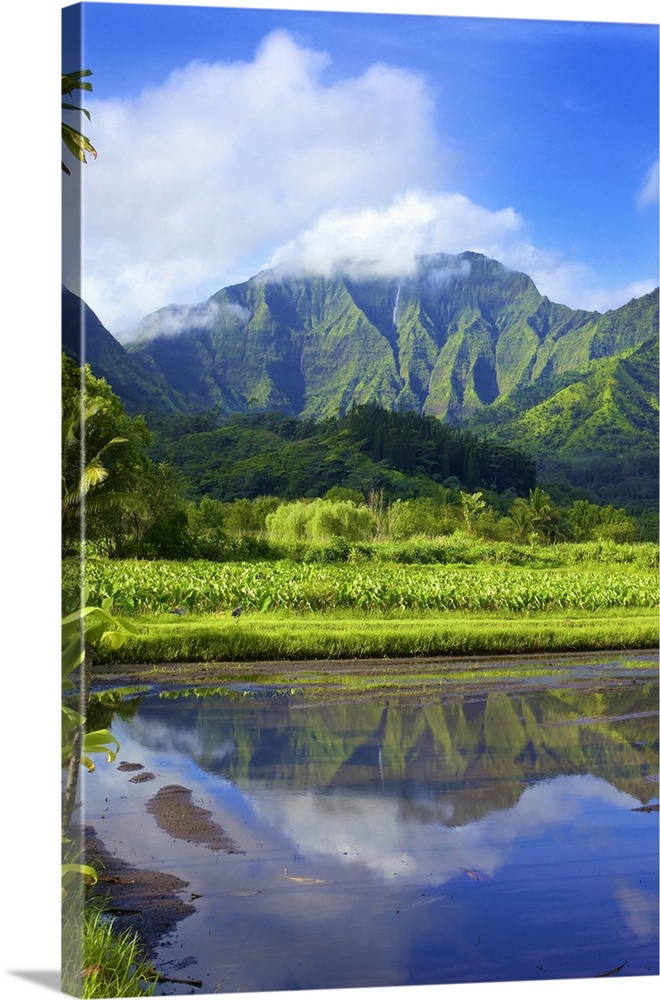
(237, 612)
(180, 611)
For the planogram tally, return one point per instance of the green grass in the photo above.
(319, 636)
(113, 964)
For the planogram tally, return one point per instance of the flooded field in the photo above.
(469, 836)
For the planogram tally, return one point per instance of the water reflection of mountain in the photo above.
(479, 753)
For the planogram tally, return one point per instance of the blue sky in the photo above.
(233, 139)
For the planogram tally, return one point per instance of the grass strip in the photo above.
(261, 636)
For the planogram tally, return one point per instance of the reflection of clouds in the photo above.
(373, 830)
(380, 860)
(638, 909)
(160, 735)
(116, 807)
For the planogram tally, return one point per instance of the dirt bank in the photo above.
(392, 677)
(148, 902)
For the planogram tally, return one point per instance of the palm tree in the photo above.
(73, 139)
(521, 518)
(538, 518)
(473, 504)
(80, 474)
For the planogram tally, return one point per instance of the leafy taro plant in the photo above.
(83, 631)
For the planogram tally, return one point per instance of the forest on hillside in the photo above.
(402, 453)
(194, 486)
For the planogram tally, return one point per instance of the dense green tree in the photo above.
(489, 524)
(536, 518)
(289, 522)
(340, 519)
(80, 471)
(344, 493)
(249, 516)
(206, 521)
(520, 519)
(589, 521)
(415, 444)
(473, 505)
(321, 521)
(103, 460)
(370, 448)
(114, 498)
(648, 526)
(166, 534)
(422, 516)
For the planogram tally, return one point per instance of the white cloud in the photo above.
(647, 196)
(570, 282)
(170, 321)
(367, 830)
(226, 167)
(638, 910)
(204, 174)
(385, 242)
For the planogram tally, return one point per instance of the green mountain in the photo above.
(460, 334)
(463, 339)
(595, 427)
(141, 388)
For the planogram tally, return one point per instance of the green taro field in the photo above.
(142, 588)
(181, 611)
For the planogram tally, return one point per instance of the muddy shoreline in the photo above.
(403, 677)
(147, 901)
(151, 903)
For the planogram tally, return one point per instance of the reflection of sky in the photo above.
(554, 882)
(390, 843)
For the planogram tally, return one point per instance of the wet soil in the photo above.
(326, 680)
(178, 816)
(150, 903)
(294, 672)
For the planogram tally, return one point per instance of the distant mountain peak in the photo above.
(464, 339)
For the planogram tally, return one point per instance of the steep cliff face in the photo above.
(460, 334)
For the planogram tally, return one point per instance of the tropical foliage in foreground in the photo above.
(112, 493)
(84, 631)
(74, 140)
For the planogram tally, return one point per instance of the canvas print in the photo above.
(359, 500)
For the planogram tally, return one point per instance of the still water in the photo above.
(475, 837)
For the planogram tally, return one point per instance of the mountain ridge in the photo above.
(86, 340)
(453, 338)
(463, 339)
